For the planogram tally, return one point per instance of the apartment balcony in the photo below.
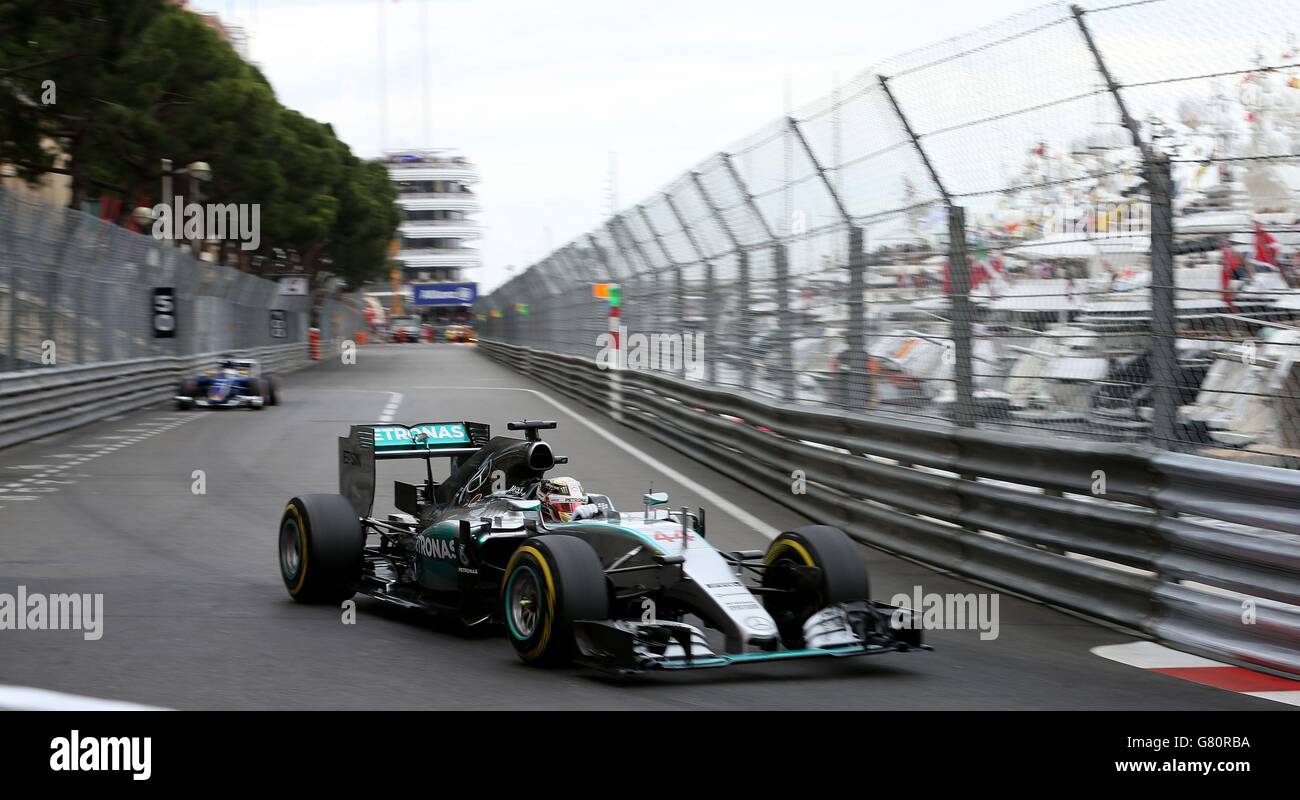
(440, 229)
(461, 257)
(447, 171)
(438, 201)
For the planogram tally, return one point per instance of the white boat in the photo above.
(1243, 400)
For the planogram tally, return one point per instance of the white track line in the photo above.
(390, 410)
(728, 507)
(25, 698)
(15, 490)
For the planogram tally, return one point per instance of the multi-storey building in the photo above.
(436, 195)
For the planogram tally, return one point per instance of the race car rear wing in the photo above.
(366, 444)
(428, 439)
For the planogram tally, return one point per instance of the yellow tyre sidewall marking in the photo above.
(797, 547)
(550, 595)
(302, 544)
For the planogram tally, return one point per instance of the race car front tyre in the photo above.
(550, 582)
(272, 390)
(814, 566)
(321, 544)
(257, 388)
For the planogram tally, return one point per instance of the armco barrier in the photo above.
(1194, 552)
(41, 402)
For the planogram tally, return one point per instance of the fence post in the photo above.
(63, 250)
(958, 274)
(655, 309)
(856, 389)
(784, 331)
(650, 310)
(744, 361)
(9, 254)
(629, 282)
(602, 258)
(615, 369)
(855, 376)
(539, 298)
(83, 290)
(1164, 318)
(582, 277)
(559, 281)
(710, 290)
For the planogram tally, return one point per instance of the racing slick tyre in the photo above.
(188, 388)
(272, 390)
(258, 386)
(817, 566)
(550, 582)
(321, 544)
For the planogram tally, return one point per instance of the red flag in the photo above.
(1231, 261)
(1265, 246)
(978, 274)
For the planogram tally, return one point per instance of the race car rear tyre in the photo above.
(188, 388)
(819, 565)
(320, 546)
(550, 582)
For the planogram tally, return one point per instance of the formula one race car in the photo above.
(235, 383)
(624, 591)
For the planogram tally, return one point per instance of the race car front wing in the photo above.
(234, 401)
(844, 629)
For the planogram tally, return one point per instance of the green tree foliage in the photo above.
(137, 81)
(367, 219)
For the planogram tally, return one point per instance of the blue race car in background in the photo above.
(235, 383)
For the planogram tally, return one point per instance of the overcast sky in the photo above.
(539, 93)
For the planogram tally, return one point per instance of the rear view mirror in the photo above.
(655, 498)
(524, 505)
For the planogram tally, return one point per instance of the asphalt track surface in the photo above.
(196, 616)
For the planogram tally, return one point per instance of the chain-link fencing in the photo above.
(1082, 220)
(78, 290)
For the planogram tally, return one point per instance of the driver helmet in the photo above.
(560, 498)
